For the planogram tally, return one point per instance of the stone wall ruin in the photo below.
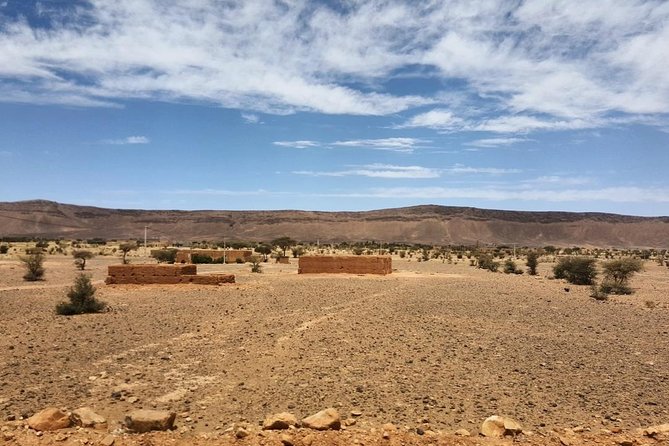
(345, 264)
(143, 274)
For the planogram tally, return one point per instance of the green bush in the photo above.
(576, 270)
(485, 261)
(201, 258)
(164, 255)
(34, 266)
(4, 249)
(617, 274)
(80, 257)
(532, 263)
(255, 264)
(511, 268)
(82, 298)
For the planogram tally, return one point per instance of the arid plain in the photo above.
(433, 347)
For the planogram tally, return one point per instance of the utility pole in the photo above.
(224, 253)
(145, 228)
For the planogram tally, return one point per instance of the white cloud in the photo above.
(608, 194)
(563, 180)
(460, 169)
(250, 118)
(495, 142)
(511, 66)
(379, 171)
(128, 140)
(304, 144)
(404, 145)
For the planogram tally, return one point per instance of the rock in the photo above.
(356, 413)
(283, 420)
(497, 427)
(241, 433)
(150, 420)
(287, 440)
(108, 441)
(652, 431)
(350, 422)
(49, 419)
(462, 433)
(420, 431)
(85, 417)
(323, 420)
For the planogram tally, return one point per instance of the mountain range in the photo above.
(428, 224)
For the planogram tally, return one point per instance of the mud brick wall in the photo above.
(163, 274)
(231, 255)
(345, 264)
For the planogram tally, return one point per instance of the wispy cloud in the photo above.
(495, 142)
(398, 144)
(379, 171)
(609, 194)
(302, 144)
(250, 118)
(461, 169)
(404, 145)
(519, 66)
(128, 140)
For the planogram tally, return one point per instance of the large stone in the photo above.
(150, 420)
(497, 427)
(653, 431)
(323, 420)
(283, 420)
(50, 419)
(85, 417)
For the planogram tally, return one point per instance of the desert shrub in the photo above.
(82, 298)
(34, 264)
(4, 249)
(255, 264)
(598, 293)
(402, 253)
(298, 251)
(511, 268)
(532, 263)
(576, 270)
(126, 248)
(201, 258)
(485, 261)
(617, 274)
(358, 251)
(80, 257)
(239, 260)
(42, 244)
(164, 255)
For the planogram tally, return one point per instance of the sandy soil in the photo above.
(432, 346)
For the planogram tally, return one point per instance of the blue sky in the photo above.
(349, 105)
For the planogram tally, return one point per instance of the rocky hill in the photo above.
(419, 224)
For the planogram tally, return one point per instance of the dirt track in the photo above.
(432, 346)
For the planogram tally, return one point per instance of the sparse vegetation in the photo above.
(617, 274)
(256, 267)
(34, 264)
(82, 298)
(201, 258)
(283, 243)
(576, 270)
(298, 251)
(125, 248)
(511, 268)
(486, 261)
(532, 263)
(263, 249)
(4, 249)
(80, 257)
(164, 255)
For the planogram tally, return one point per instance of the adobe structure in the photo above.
(231, 255)
(162, 274)
(345, 264)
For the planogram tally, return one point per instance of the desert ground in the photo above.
(431, 348)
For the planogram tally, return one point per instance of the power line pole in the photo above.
(145, 228)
